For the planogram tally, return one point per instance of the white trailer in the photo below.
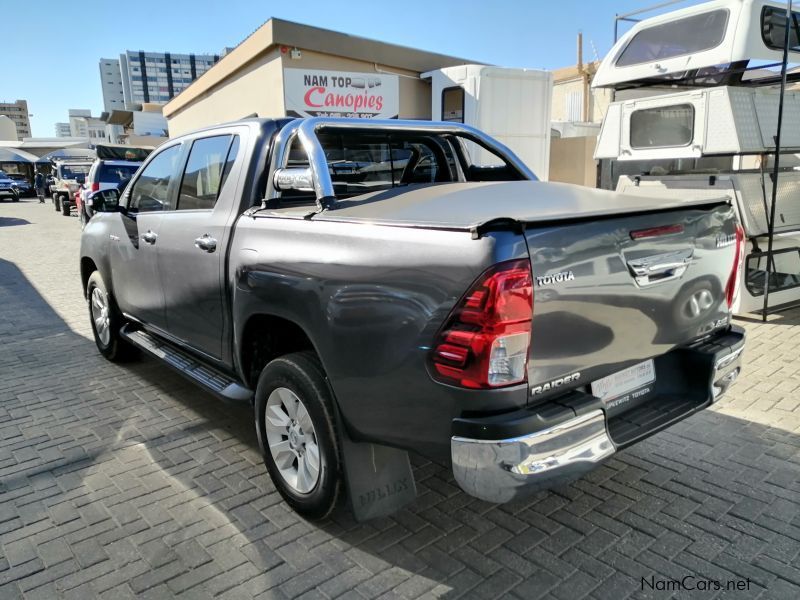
(511, 105)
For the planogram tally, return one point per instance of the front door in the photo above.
(192, 243)
(135, 239)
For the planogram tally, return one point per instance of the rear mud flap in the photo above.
(379, 478)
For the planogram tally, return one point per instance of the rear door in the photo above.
(134, 239)
(611, 293)
(193, 240)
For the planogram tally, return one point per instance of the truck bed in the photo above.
(463, 206)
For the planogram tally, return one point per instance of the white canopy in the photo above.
(702, 40)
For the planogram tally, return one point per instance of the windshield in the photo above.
(77, 172)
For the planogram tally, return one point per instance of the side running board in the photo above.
(208, 377)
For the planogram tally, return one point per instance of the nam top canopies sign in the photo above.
(315, 93)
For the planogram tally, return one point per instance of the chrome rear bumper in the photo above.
(500, 470)
(499, 458)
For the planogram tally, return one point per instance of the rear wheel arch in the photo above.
(266, 337)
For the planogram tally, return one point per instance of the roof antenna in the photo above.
(594, 50)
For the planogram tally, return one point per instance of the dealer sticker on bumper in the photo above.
(622, 382)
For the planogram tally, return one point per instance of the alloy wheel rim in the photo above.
(100, 316)
(292, 440)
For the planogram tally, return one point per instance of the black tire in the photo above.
(15, 199)
(65, 207)
(57, 202)
(302, 373)
(84, 219)
(115, 348)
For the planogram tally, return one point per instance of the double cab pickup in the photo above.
(375, 288)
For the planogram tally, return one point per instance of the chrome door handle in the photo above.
(150, 237)
(206, 243)
(661, 267)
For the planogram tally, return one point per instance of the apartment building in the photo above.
(111, 84)
(17, 112)
(139, 77)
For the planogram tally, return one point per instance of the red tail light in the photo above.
(732, 289)
(484, 342)
(95, 187)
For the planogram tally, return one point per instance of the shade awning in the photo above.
(68, 153)
(17, 155)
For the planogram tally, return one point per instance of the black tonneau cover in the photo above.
(469, 205)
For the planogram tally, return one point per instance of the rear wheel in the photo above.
(297, 435)
(106, 321)
(57, 201)
(65, 207)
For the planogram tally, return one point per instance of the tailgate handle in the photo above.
(660, 267)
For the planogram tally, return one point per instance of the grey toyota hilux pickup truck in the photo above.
(375, 288)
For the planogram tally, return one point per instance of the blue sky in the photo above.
(61, 42)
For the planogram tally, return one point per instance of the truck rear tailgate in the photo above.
(611, 293)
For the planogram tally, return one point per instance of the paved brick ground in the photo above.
(118, 482)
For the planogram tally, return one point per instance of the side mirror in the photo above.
(104, 200)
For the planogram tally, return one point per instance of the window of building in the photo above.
(574, 106)
(689, 35)
(150, 193)
(662, 127)
(209, 163)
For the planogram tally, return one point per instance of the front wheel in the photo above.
(296, 433)
(106, 321)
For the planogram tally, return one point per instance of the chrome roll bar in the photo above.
(306, 131)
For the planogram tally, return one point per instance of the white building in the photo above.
(83, 125)
(8, 130)
(149, 77)
(124, 125)
(63, 130)
(111, 83)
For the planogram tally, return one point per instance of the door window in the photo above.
(150, 192)
(209, 164)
